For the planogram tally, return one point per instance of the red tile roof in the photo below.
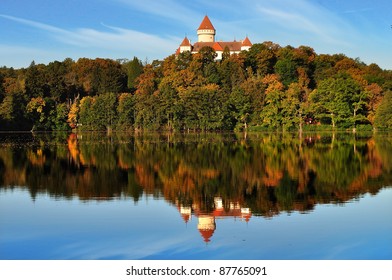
(217, 47)
(206, 234)
(233, 46)
(246, 42)
(199, 45)
(185, 43)
(206, 24)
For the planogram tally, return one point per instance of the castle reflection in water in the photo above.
(206, 221)
(205, 176)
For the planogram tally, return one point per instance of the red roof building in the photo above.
(206, 38)
(206, 221)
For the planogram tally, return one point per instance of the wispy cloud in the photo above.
(307, 19)
(113, 38)
(358, 11)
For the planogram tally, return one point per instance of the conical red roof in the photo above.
(246, 42)
(185, 43)
(206, 24)
(207, 234)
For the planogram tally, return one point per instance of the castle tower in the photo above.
(206, 31)
(206, 226)
(246, 44)
(185, 45)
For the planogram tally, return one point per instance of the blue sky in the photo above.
(48, 30)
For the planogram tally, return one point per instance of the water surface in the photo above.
(195, 196)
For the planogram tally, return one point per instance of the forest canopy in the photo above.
(268, 87)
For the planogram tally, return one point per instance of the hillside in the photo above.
(268, 87)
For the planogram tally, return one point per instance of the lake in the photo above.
(195, 196)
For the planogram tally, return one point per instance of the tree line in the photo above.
(268, 87)
(269, 172)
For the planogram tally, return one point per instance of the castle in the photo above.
(206, 221)
(206, 38)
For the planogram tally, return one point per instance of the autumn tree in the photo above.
(271, 114)
(37, 109)
(146, 102)
(375, 96)
(73, 114)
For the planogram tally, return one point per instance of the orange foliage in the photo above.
(37, 158)
(272, 177)
(273, 83)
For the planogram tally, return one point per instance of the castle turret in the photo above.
(246, 44)
(206, 31)
(206, 226)
(185, 45)
(206, 38)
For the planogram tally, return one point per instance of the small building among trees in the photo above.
(206, 38)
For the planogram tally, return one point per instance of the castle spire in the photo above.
(206, 24)
(206, 31)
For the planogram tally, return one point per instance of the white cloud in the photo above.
(307, 20)
(113, 39)
(328, 28)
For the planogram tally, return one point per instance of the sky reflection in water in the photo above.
(152, 229)
(209, 197)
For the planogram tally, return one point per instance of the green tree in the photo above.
(341, 100)
(13, 112)
(383, 119)
(169, 107)
(35, 81)
(104, 111)
(86, 117)
(286, 66)
(240, 107)
(262, 58)
(183, 60)
(231, 73)
(146, 107)
(61, 116)
(111, 77)
(292, 108)
(255, 88)
(203, 108)
(126, 111)
(134, 70)
(55, 79)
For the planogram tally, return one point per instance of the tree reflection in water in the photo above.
(207, 175)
